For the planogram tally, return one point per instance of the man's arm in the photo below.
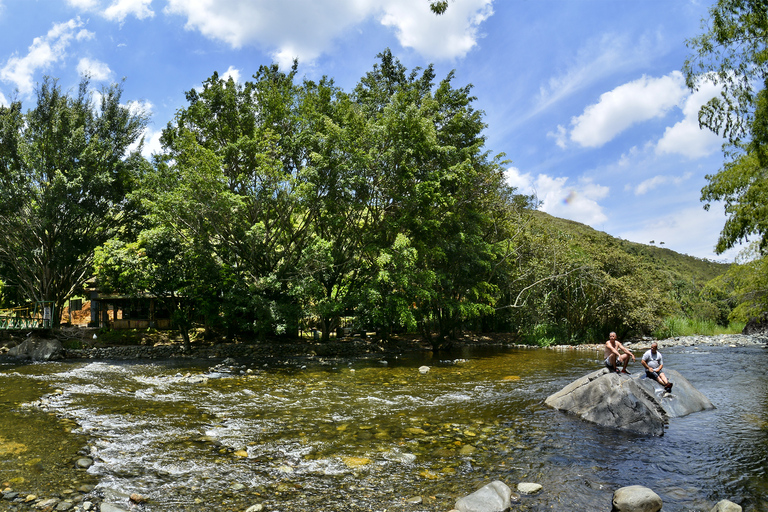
(626, 350)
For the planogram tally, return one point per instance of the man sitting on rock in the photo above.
(653, 363)
(613, 358)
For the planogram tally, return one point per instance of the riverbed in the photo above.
(411, 432)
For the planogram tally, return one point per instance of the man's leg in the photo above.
(625, 361)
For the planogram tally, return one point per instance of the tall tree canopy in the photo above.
(318, 203)
(733, 53)
(65, 168)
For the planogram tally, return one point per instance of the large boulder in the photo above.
(37, 350)
(629, 401)
(494, 497)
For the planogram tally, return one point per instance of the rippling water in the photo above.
(374, 434)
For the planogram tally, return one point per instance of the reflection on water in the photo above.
(374, 434)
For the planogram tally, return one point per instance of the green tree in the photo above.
(185, 281)
(65, 169)
(745, 283)
(733, 54)
(430, 178)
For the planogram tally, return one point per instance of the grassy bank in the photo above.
(682, 326)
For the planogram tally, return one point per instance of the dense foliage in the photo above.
(279, 205)
(65, 170)
(733, 54)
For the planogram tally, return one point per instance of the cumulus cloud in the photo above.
(233, 73)
(577, 202)
(98, 71)
(626, 105)
(599, 57)
(686, 138)
(304, 29)
(44, 51)
(448, 36)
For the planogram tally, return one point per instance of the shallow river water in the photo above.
(374, 434)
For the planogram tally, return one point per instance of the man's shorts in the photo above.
(608, 364)
(652, 375)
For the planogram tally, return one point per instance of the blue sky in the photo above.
(585, 97)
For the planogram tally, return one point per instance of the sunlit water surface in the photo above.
(376, 434)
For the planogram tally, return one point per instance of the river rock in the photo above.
(726, 506)
(494, 497)
(636, 498)
(84, 463)
(629, 402)
(108, 507)
(46, 504)
(37, 350)
(528, 488)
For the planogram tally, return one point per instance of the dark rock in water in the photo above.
(37, 350)
(757, 326)
(629, 402)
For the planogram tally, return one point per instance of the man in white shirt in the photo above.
(653, 363)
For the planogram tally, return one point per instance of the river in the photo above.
(373, 434)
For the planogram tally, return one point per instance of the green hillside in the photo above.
(693, 269)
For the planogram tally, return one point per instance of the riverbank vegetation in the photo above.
(280, 205)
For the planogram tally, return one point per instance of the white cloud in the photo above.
(140, 107)
(600, 57)
(44, 51)
(576, 202)
(657, 181)
(117, 10)
(692, 231)
(152, 144)
(3, 101)
(448, 36)
(628, 104)
(305, 29)
(85, 35)
(86, 5)
(121, 9)
(98, 71)
(232, 72)
(560, 136)
(685, 137)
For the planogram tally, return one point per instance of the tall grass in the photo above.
(682, 326)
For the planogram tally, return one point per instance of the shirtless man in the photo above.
(613, 357)
(653, 363)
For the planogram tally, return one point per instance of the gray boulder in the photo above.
(684, 398)
(494, 497)
(629, 402)
(636, 498)
(37, 350)
(726, 506)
